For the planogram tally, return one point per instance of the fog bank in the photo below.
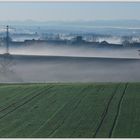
(77, 51)
(72, 69)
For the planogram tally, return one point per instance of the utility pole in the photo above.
(7, 40)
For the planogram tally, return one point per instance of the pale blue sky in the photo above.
(46, 11)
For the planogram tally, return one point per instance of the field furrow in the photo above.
(72, 110)
(104, 114)
(117, 112)
(128, 121)
(15, 106)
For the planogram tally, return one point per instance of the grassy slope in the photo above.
(70, 110)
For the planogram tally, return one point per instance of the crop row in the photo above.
(70, 110)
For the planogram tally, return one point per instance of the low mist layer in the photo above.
(77, 51)
(70, 64)
(72, 69)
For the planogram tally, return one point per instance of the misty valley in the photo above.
(38, 54)
(69, 69)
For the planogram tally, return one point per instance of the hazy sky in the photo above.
(46, 11)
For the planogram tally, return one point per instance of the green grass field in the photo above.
(70, 110)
